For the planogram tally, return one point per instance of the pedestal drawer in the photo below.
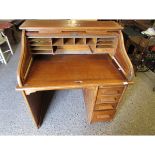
(110, 90)
(108, 99)
(105, 106)
(103, 115)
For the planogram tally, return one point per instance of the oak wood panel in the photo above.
(108, 99)
(46, 48)
(123, 59)
(76, 34)
(42, 44)
(99, 116)
(68, 41)
(68, 85)
(90, 98)
(100, 49)
(38, 103)
(75, 47)
(105, 106)
(110, 90)
(42, 52)
(25, 61)
(69, 25)
(121, 97)
(53, 71)
(34, 104)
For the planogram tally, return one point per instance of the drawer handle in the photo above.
(102, 116)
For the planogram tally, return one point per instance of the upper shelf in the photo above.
(69, 25)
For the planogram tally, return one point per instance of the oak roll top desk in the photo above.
(70, 54)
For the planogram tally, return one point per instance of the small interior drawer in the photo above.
(103, 115)
(108, 99)
(110, 90)
(105, 106)
(104, 49)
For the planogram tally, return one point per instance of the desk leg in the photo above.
(90, 94)
(38, 104)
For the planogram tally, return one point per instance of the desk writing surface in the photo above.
(69, 24)
(69, 69)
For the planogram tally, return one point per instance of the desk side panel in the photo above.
(38, 103)
(90, 94)
(123, 59)
(24, 61)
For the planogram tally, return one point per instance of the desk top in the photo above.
(65, 71)
(69, 24)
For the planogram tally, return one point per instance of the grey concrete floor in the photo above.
(66, 114)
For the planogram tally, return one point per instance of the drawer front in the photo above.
(105, 106)
(103, 115)
(108, 99)
(110, 90)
